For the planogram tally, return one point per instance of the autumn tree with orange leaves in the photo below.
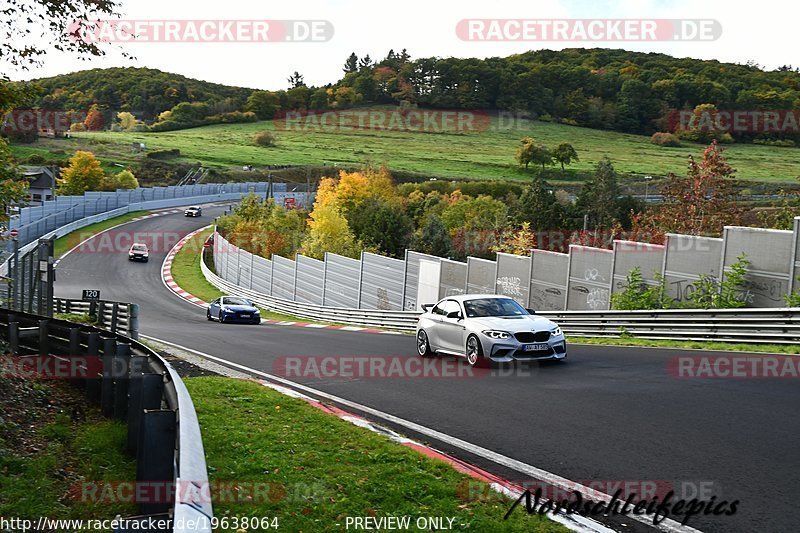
(702, 203)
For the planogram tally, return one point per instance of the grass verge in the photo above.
(68, 241)
(187, 274)
(689, 345)
(320, 469)
(52, 445)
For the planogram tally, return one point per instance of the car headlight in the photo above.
(492, 334)
(556, 332)
(227, 310)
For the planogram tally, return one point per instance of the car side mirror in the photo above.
(531, 311)
(454, 314)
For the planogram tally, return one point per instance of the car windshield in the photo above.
(139, 248)
(481, 307)
(236, 301)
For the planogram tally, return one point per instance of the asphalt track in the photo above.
(608, 414)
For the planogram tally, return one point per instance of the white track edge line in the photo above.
(667, 525)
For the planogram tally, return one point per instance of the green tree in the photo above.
(351, 65)
(296, 80)
(541, 155)
(483, 213)
(57, 22)
(264, 104)
(12, 189)
(123, 179)
(539, 207)
(433, 237)
(83, 174)
(599, 196)
(525, 151)
(381, 224)
(565, 154)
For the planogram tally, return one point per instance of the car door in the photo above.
(451, 329)
(434, 329)
(213, 308)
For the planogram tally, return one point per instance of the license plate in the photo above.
(536, 347)
(244, 316)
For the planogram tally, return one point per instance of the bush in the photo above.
(639, 295)
(710, 293)
(164, 154)
(265, 138)
(35, 159)
(786, 143)
(662, 138)
(792, 300)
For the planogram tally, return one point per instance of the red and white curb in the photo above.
(498, 484)
(166, 271)
(169, 281)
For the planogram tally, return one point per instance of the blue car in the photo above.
(233, 309)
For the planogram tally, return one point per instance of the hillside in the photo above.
(144, 91)
(488, 154)
(607, 89)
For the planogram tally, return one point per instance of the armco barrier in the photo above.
(764, 326)
(116, 317)
(136, 385)
(139, 206)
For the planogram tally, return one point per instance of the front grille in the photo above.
(532, 336)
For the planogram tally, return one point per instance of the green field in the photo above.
(488, 154)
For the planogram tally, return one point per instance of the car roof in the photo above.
(138, 244)
(462, 297)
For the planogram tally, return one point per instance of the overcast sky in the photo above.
(761, 31)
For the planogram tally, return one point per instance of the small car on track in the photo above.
(138, 252)
(193, 211)
(487, 328)
(233, 309)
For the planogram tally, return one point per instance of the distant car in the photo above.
(138, 252)
(193, 211)
(487, 328)
(233, 309)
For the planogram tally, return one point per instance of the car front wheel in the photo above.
(423, 346)
(221, 317)
(474, 353)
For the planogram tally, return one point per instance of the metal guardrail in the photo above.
(117, 317)
(132, 383)
(749, 325)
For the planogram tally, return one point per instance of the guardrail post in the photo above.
(114, 313)
(133, 321)
(122, 361)
(101, 313)
(107, 382)
(13, 334)
(44, 340)
(75, 351)
(138, 364)
(92, 352)
(155, 454)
